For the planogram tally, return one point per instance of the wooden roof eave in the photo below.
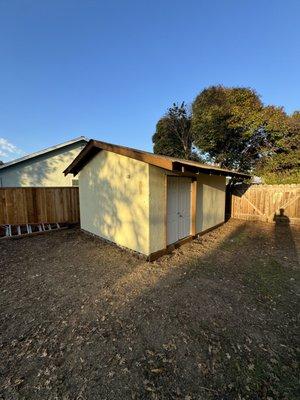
(82, 159)
(93, 147)
(185, 168)
(136, 155)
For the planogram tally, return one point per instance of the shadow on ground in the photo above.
(83, 319)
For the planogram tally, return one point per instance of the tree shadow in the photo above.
(114, 201)
(187, 326)
(201, 300)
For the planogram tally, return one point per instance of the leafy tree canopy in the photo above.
(226, 123)
(173, 136)
(282, 163)
(232, 127)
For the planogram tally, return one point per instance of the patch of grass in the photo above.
(267, 279)
(259, 377)
(235, 241)
(237, 367)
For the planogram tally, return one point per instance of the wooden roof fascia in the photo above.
(82, 159)
(206, 170)
(93, 147)
(89, 152)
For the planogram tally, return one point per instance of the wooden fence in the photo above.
(29, 205)
(266, 203)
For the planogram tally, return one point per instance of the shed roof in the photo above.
(93, 147)
(82, 139)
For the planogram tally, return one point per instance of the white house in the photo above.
(43, 168)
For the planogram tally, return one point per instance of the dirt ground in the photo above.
(217, 319)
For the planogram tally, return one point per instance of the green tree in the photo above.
(281, 164)
(232, 127)
(228, 124)
(173, 136)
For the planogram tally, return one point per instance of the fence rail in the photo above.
(29, 205)
(264, 202)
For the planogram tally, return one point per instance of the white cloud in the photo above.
(8, 150)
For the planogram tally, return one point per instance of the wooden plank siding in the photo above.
(263, 202)
(29, 205)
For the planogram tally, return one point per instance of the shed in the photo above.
(147, 202)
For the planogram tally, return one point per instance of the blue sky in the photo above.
(110, 69)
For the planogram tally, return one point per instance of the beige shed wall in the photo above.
(124, 200)
(45, 170)
(114, 200)
(210, 201)
(210, 204)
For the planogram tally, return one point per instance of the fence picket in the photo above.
(25, 205)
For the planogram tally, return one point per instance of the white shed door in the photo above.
(178, 208)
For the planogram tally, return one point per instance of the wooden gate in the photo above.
(265, 202)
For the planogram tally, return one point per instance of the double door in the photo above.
(178, 208)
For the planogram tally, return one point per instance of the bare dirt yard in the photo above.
(217, 319)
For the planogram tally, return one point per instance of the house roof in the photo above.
(82, 139)
(177, 165)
